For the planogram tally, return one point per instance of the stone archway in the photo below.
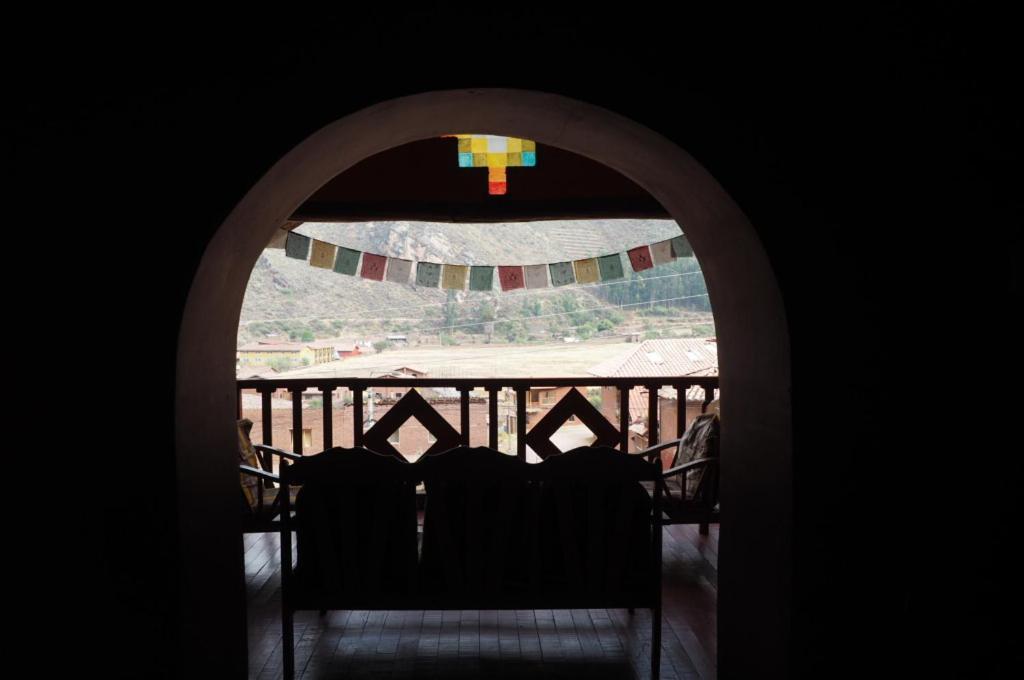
(755, 567)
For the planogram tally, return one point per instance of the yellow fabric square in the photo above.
(496, 175)
(479, 160)
(465, 145)
(479, 144)
(323, 255)
(586, 271)
(529, 145)
(247, 455)
(514, 145)
(454, 276)
(515, 160)
(497, 160)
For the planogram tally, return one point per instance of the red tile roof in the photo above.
(662, 358)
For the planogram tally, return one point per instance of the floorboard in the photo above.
(598, 644)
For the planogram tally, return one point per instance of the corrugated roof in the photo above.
(662, 358)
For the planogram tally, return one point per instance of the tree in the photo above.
(382, 345)
(485, 315)
(282, 364)
(450, 310)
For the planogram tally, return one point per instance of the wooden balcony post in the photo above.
(464, 414)
(357, 415)
(652, 414)
(328, 402)
(492, 417)
(521, 422)
(297, 419)
(624, 417)
(267, 415)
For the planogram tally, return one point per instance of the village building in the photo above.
(669, 358)
(263, 353)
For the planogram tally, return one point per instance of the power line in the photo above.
(575, 311)
(505, 296)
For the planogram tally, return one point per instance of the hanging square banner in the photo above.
(296, 246)
(561, 273)
(323, 255)
(373, 267)
(611, 267)
(661, 252)
(399, 270)
(586, 270)
(536, 275)
(453, 276)
(640, 258)
(428, 274)
(511, 278)
(481, 278)
(681, 247)
(347, 261)
(278, 240)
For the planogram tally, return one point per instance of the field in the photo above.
(478, 361)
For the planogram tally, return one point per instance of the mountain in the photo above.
(287, 290)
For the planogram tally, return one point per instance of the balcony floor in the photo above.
(594, 643)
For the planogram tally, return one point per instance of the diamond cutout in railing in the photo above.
(412, 405)
(572, 404)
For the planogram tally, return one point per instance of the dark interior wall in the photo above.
(877, 156)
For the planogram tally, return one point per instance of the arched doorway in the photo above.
(755, 554)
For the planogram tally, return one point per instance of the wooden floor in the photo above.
(598, 644)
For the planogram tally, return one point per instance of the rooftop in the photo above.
(663, 357)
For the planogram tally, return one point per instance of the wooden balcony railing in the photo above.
(412, 405)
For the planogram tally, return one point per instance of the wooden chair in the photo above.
(261, 504)
(691, 477)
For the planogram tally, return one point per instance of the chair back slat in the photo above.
(356, 524)
(596, 523)
(474, 532)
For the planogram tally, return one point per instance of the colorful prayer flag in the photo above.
(661, 252)
(279, 238)
(586, 270)
(399, 270)
(681, 247)
(453, 276)
(561, 273)
(296, 246)
(428, 274)
(510, 278)
(323, 255)
(640, 258)
(611, 267)
(536, 275)
(347, 261)
(373, 267)
(481, 278)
